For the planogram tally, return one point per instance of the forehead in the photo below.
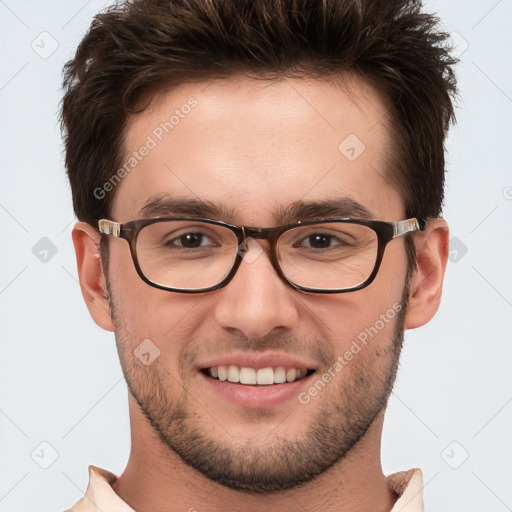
(256, 147)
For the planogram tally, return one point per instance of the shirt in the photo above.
(100, 497)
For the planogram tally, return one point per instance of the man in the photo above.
(259, 188)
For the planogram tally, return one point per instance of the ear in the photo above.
(90, 272)
(426, 283)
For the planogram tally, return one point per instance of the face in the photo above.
(252, 150)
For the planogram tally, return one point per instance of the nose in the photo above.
(256, 301)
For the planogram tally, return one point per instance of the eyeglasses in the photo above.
(196, 255)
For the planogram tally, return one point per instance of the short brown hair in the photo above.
(140, 46)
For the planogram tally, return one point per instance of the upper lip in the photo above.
(257, 361)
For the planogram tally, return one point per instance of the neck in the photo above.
(156, 479)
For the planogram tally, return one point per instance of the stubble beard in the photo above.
(334, 429)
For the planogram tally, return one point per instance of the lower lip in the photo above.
(256, 397)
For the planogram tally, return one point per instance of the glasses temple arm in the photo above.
(406, 226)
(109, 227)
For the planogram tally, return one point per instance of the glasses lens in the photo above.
(189, 255)
(329, 256)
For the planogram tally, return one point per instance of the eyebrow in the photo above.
(329, 208)
(168, 206)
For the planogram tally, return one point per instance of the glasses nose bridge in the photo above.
(271, 235)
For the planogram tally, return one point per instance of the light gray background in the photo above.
(60, 377)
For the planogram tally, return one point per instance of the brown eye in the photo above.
(190, 240)
(319, 241)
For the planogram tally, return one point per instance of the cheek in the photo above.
(144, 313)
(361, 325)
(136, 302)
(344, 319)
(366, 349)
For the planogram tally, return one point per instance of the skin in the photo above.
(253, 147)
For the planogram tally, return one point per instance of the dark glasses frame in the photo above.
(386, 231)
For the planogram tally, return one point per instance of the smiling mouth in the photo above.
(257, 377)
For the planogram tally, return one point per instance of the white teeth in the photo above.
(233, 373)
(247, 376)
(280, 375)
(262, 377)
(291, 374)
(223, 372)
(265, 376)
